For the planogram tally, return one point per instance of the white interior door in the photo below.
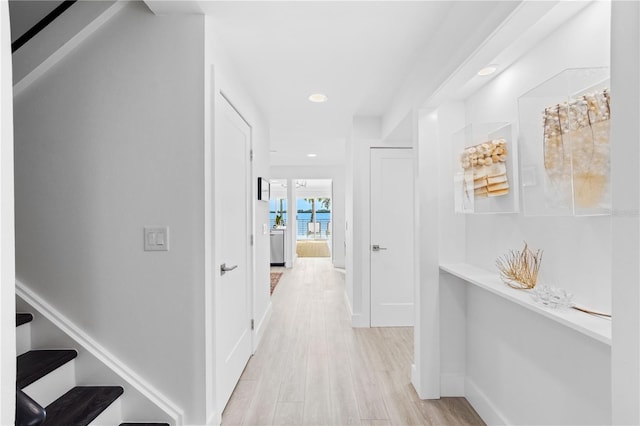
(233, 224)
(392, 237)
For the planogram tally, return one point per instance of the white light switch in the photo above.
(265, 229)
(156, 239)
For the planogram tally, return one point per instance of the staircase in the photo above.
(48, 377)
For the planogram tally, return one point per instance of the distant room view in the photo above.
(313, 217)
(311, 220)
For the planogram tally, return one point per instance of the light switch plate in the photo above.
(265, 229)
(156, 239)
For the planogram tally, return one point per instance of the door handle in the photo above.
(224, 268)
(376, 247)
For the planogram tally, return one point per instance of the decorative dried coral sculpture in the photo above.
(519, 269)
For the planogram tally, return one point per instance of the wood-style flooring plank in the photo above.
(289, 413)
(449, 411)
(375, 423)
(344, 405)
(368, 392)
(398, 399)
(316, 402)
(240, 399)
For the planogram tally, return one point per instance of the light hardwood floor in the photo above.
(312, 368)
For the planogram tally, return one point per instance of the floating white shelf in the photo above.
(595, 327)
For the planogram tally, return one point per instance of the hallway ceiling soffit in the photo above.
(460, 33)
(530, 23)
(527, 25)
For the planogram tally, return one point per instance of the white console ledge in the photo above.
(593, 326)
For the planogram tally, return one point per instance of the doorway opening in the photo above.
(300, 222)
(313, 217)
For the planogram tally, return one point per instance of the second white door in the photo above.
(392, 233)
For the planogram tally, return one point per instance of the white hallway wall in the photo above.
(110, 140)
(508, 355)
(337, 175)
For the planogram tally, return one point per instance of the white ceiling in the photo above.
(357, 53)
(368, 57)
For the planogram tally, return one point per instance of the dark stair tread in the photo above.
(144, 424)
(35, 364)
(23, 318)
(81, 405)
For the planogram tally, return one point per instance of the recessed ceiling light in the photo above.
(318, 98)
(488, 70)
(312, 155)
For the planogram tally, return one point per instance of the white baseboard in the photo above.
(483, 405)
(100, 353)
(262, 326)
(214, 419)
(359, 321)
(452, 385)
(347, 303)
(415, 380)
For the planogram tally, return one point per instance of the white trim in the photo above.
(415, 381)
(262, 327)
(483, 405)
(359, 321)
(347, 303)
(100, 353)
(67, 48)
(215, 419)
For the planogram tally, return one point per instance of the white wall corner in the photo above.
(452, 384)
(366, 127)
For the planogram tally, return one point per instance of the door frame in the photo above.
(221, 97)
(370, 224)
(213, 407)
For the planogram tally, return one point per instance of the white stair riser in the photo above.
(23, 338)
(53, 385)
(111, 416)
